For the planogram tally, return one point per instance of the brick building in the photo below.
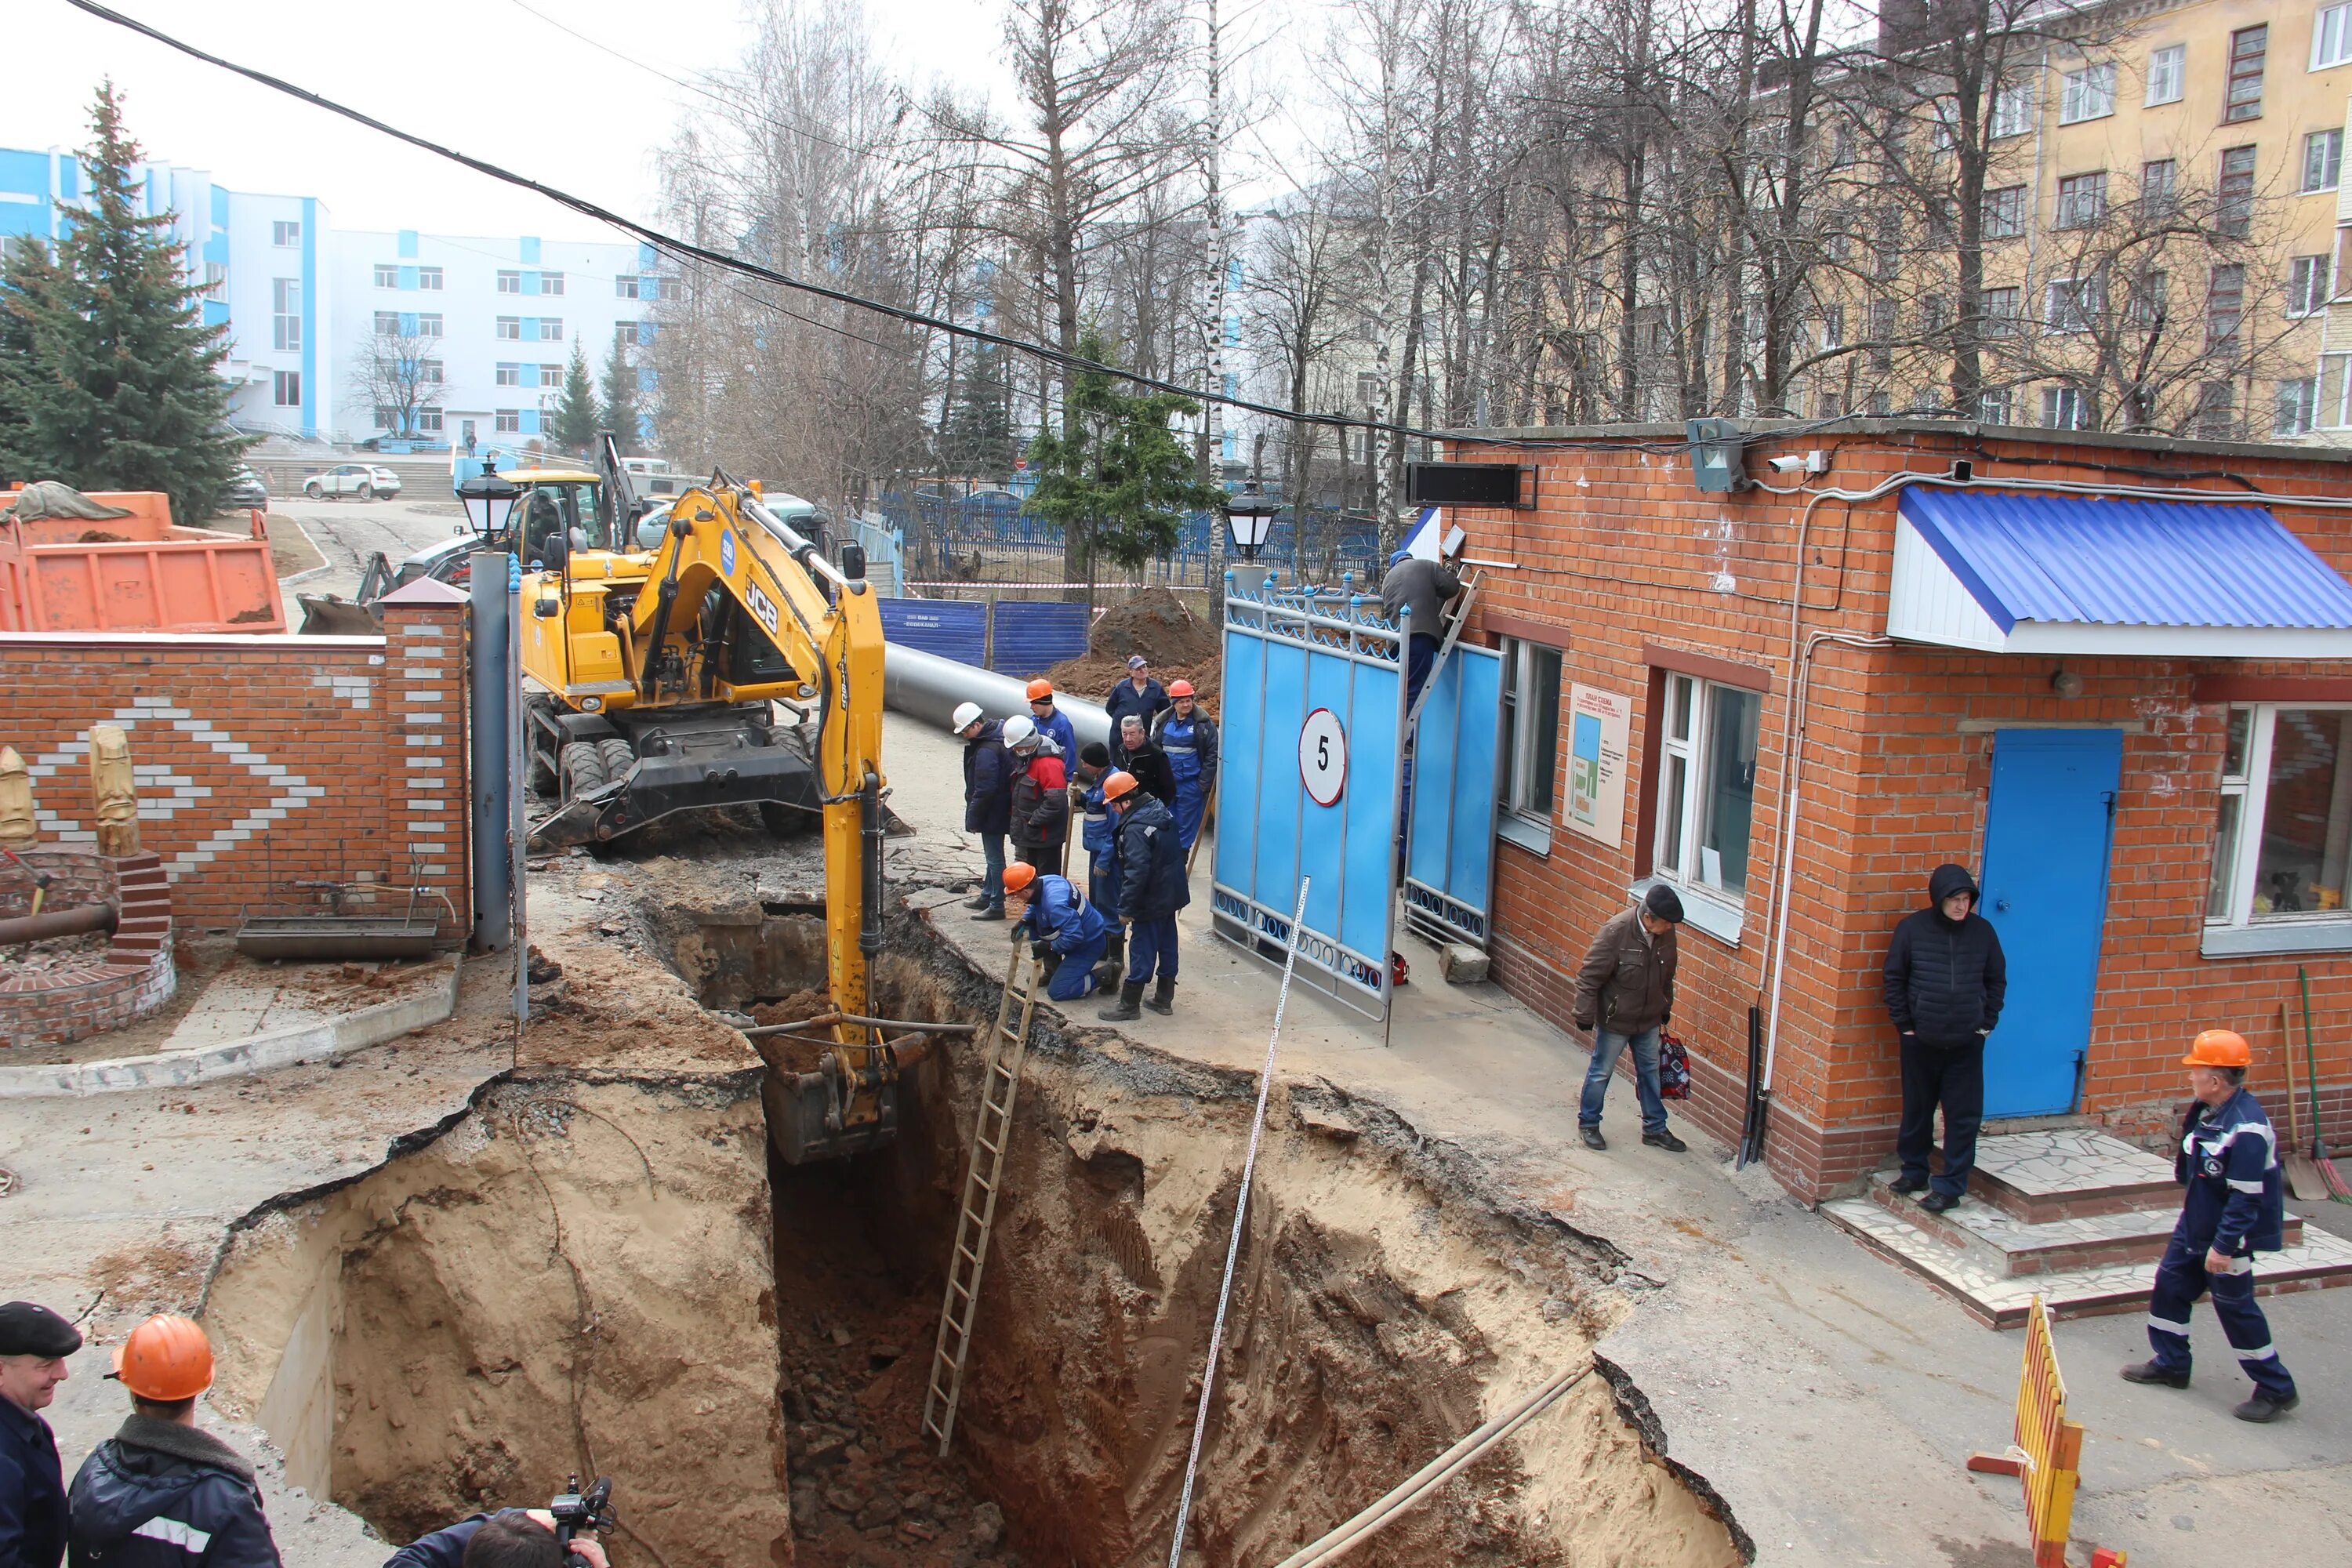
(2131, 718)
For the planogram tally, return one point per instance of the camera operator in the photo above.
(511, 1538)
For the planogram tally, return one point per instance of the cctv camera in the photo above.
(1788, 465)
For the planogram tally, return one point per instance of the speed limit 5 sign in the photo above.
(1323, 757)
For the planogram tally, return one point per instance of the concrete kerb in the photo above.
(315, 1042)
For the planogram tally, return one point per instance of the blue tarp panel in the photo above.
(947, 628)
(2085, 560)
(1035, 635)
(1451, 853)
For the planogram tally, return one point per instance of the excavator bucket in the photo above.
(805, 1112)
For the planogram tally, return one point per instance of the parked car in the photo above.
(245, 488)
(365, 480)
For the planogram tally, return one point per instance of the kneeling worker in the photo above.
(1064, 931)
(161, 1493)
(2235, 1207)
(1152, 888)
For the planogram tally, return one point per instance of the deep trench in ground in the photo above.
(606, 1271)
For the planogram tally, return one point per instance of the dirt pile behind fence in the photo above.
(1155, 623)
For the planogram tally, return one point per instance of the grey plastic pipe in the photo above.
(926, 687)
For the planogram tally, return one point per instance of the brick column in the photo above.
(424, 644)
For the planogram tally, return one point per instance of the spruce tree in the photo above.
(619, 414)
(29, 281)
(118, 386)
(979, 436)
(575, 425)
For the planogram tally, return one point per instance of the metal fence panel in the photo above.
(944, 626)
(1451, 858)
(1033, 635)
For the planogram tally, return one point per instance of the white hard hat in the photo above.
(967, 715)
(1019, 728)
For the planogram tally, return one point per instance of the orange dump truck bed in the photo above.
(135, 573)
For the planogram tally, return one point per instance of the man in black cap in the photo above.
(34, 1344)
(1624, 993)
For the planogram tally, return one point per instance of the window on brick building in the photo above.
(1531, 742)
(2166, 69)
(2323, 159)
(2247, 48)
(2082, 200)
(2307, 286)
(2331, 37)
(2233, 207)
(2298, 400)
(1705, 788)
(2004, 213)
(1993, 407)
(2282, 832)
(2090, 94)
(2063, 408)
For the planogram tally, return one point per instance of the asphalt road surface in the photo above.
(349, 531)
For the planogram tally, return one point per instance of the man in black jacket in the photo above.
(1133, 751)
(511, 1538)
(34, 1344)
(1151, 889)
(1945, 982)
(987, 802)
(161, 1493)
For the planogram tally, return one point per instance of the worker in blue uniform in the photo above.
(1189, 739)
(2234, 1208)
(1065, 931)
(1099, 837)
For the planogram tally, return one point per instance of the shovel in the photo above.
(2302, 1176)
(2328, 1172)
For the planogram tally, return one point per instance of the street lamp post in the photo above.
(1249, 518)
(490, 498)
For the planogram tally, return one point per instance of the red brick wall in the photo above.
(263, 761)
(1624, 551)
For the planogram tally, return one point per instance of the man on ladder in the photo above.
(1065, 934)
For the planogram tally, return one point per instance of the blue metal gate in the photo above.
(1451, 845)
(1033, 635)
(1314, 696)
(947, 628)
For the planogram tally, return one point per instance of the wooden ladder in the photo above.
(991, 1131)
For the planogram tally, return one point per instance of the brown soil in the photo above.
(793, 1053)
(1155, 624)
(290, 549)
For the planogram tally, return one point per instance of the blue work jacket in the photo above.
(1059, 917)
(2236, 1201)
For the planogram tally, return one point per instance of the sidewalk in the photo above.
(1831, 1398)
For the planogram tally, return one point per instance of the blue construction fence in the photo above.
(944, 530)
(1019, 638)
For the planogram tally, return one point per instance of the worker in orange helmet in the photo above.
(161, 1493)
(1188, 737)
(2235, 1207)
(1052, 722)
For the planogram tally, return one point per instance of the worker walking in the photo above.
(1068, 933)
(1188, 738)
(1099, 840)
(1946, 979)
(1051, 721)
(2235, 1207)
(1425, 587)
(161, 1493)
(1139, 694)
(1152, 888)
(34, 1344)
(987, 801)
(1625, 994)
(1040, 795)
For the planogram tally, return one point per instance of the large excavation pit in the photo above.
(607, 1272)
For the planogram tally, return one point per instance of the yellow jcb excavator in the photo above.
(652, 682)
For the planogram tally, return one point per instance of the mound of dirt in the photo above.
(1155, 624)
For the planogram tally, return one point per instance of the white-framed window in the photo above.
(551, 329)
(429, 371)
(2331, 37)
(510, 327)
(2012, 110)
(2072, 304)
(387, 274)
(1992, 407)
(2283, 829)
(1527, 787)
(2061, 408)
(509, 421)
(2335, 390)
(510, 282)
(2298, 403)
(216, 280)
(550, 282)
(285, 232)
(1705, 788)
(510, 375)
(2082, 200)
(2167, 69)
(2090, 94)
(286, 315)
(2323, 159)
(625, 287)
(428, 324)
(2004, 213)
(551, 375)
(428, 420)
(387, 323)
(2307, 286)
(286, 388)
(669, 289)
(428, 278)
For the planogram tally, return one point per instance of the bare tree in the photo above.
(397, 372)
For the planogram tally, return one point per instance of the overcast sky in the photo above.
(516, 90)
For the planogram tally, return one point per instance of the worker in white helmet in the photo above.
(987, 800)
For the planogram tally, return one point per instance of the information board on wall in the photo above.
(1600, 723)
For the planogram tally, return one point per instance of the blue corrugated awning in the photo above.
(2079, 575)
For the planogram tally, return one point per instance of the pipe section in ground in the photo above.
(926, 687)
(57, 923)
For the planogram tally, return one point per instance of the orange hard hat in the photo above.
(1182, 689)
(1040, 691)
(2219, 1048)
(1117, 783)
(1019, 875)
(166, 1358)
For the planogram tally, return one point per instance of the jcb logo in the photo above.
(762, 606)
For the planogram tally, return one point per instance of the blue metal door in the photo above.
(2047, 834)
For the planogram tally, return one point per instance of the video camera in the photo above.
(576, 1511)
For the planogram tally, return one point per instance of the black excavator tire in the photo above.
(616, 758)
(582, 767)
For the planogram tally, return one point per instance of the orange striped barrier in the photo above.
(2045, 1451)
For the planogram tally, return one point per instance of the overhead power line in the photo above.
(687, 250)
